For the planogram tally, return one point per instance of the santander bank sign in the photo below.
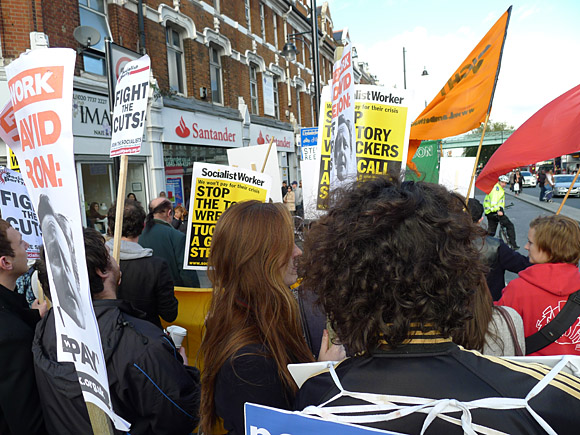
(283, 139)
(200, 129)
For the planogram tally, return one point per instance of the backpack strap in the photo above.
(557, 326)
(512, 329)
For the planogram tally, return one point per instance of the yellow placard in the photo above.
(14, 162)
(380, 137)
(211, 196)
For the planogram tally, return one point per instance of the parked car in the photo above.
(563, 182)
(529, 180)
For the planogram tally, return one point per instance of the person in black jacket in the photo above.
(20, 411)
(146, 282)
(167, 242)
(496, 254)
(394, 266)
(149, 384)
(179, 221)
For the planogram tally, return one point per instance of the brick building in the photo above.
(219, 81)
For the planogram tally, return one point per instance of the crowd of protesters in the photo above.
(398, 281)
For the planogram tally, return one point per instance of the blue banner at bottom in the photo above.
(262, 420)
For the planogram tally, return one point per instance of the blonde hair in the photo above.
(251, 245)
(559, 237)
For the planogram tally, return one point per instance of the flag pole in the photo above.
(568, 193)
(509, 11)
(477, 157)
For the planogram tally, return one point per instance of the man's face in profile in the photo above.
(61, 264)
(342, 152)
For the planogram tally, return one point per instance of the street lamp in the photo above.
(404, 70)
(423, 74)
(289, 51)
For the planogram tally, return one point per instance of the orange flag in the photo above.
(463, 102)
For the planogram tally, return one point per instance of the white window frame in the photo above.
(276, 98)
(98, 51)
(263, 21)
(275, 20)
(175, 59)
(248, 15)
(299, 110)
(216, 68)
(254, 97)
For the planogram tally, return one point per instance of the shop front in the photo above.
(190, 137)
(94, 167)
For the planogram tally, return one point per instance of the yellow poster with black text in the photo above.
(214, 189)
(381, 136)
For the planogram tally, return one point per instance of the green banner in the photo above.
(427, 161)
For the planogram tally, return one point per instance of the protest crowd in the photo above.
(400, 271)
(388, 312)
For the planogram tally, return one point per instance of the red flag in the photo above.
(551, 132)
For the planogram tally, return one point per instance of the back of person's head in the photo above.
(250, 249)
(97, 256)
(40, 266)
(559, 237)
(389, 257)
(240, 254)
(133, 218)
(475, 209)
(157, 207)
(5, 245)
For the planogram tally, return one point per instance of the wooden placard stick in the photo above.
(568, 193)
(267, 155)
(120, 207)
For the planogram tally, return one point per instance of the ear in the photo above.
(102, 274)
(5, 263)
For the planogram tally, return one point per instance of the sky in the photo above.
(541, 58)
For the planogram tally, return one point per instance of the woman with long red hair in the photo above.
(253, 328)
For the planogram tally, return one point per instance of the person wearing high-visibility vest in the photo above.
(493, 205)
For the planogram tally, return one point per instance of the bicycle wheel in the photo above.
(503, 235)
(298, 228)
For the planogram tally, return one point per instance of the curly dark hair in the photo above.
(391, 254)
(133, 219)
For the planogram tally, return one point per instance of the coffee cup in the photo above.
(177, 334)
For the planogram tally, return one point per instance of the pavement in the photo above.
(551, 207)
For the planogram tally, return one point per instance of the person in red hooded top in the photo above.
(541, 290)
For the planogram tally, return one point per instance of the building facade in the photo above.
(219, 81)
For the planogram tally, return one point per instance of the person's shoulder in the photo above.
(250, 363)
(153, 262)
(13, 325)
(516, 290)
(142, 327)
(320, 386)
